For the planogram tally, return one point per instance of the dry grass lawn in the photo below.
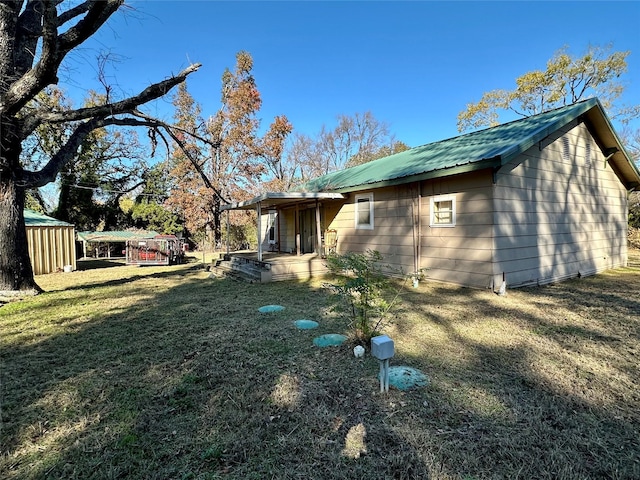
(165, 373)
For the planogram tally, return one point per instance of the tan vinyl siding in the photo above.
(287, 230)
(557, 217)
(392, 234)
(459, 254)
(51, 248)
(548, 215)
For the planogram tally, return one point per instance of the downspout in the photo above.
(419, 228)
(609, 152)
(414, 228)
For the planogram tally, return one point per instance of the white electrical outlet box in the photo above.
(382, 347)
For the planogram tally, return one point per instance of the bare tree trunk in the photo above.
(16, 273)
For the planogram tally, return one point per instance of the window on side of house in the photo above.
(443, 211)
(364, 211)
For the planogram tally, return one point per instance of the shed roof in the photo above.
(36, 219)
(116, 236)
(488, 148)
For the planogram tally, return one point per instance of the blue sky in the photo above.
(414, 65)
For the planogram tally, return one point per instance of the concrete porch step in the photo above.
(239, 269)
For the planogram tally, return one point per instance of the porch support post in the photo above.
(228, 227)
(297, 223)
(318, 246)
(259, 211)
(278, 212)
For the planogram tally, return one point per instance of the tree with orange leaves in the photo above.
(223, 158)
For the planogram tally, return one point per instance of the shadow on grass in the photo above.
(196, 383)
(193, 382)
(179, 271)
(98, 263)
(547, 392)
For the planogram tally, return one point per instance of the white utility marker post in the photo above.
(382, 349)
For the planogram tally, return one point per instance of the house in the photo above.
(528, 202)
(51, 243)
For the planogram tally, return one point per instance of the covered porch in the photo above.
(292, 242)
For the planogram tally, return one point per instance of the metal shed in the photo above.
(159, 250)
(51, 243)
(101, 244)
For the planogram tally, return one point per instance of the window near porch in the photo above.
(443, 211)
(271, 232)
(364, 211)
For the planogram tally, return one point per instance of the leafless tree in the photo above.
(35, 38)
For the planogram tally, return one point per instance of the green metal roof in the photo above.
(35, 219)
(115, 236)
(487, 148)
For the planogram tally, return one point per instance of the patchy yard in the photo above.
(162, 372)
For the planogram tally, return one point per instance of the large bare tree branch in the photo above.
(142, 115)
(54, 48)
(127, 105)
(29, 30)
(74, 12)
(47, 66)
(170, 131)
(68, 152)
(197, 166)
(98, 13)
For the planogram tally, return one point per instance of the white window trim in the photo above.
(442, 198)
(366, 226)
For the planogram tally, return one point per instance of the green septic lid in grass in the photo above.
(406, 378)
(306, 324)
(271, 308)
(329, 340)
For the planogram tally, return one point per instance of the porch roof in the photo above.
(282, 199)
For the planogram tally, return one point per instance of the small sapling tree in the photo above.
(365, 291)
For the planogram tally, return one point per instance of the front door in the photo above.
(307, 230)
